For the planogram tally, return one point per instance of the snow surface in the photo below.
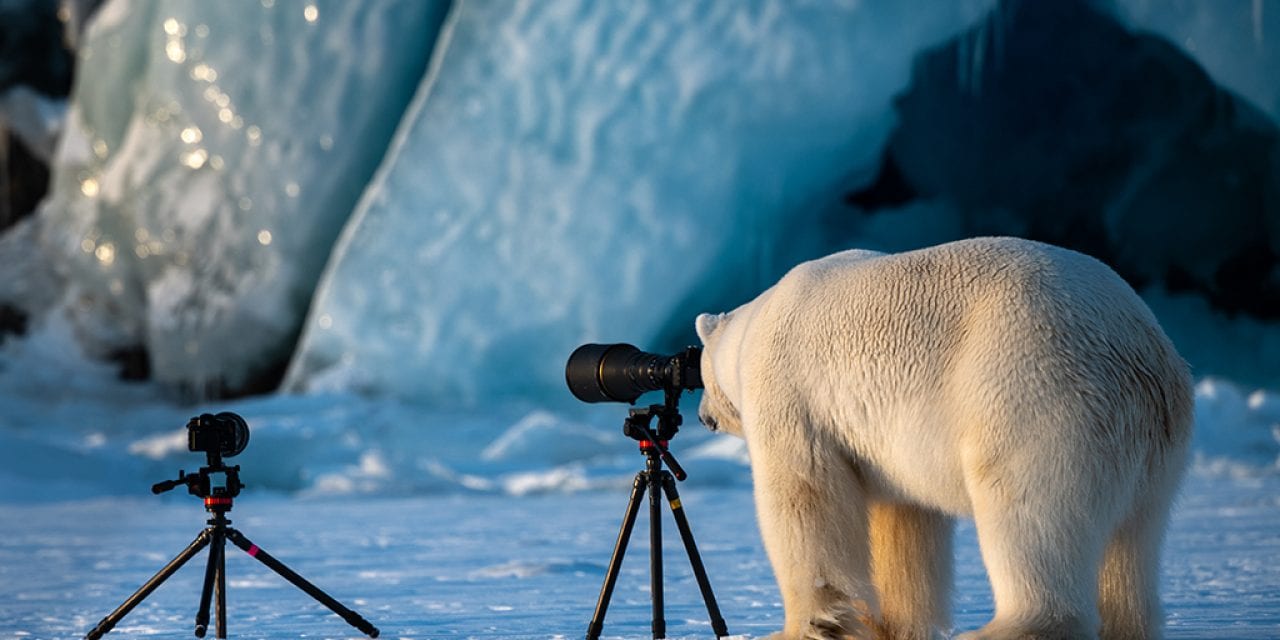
(474, 565)
(494, 522)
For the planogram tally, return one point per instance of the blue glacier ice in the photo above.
(573, 171)
(212, 153)
(568, 171)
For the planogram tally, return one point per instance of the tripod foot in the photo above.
(656, 481)
(108, 623)
(298, 581)
(98, 631)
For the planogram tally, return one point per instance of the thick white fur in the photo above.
(1014, 382)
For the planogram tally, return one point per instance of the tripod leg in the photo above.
(145, 590)
(619, 550)
(220, 590)
(216, 545)
(298, 581)
(695, 560)
(655, 554)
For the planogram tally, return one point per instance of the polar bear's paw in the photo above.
(841, 620)
(1049, 628)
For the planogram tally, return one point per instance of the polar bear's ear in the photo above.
(706, 324)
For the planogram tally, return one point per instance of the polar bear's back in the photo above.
(999, 339)
(963, 273)
(937, 296)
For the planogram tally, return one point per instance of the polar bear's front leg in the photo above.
(813, 519)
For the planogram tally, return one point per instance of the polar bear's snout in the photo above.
(708, 421)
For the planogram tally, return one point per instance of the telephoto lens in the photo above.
(622, 373)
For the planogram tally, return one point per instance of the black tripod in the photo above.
(217, 500)
(656, 480)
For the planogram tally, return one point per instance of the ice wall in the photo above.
(212, 154)
(1155, 169)
(574, 169)
(1237, 41)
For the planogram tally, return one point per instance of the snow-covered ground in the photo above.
(493, 522)
(502, 566)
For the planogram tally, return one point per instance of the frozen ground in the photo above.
(492, 522)
(503, 566)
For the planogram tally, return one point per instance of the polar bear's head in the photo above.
(716, 410)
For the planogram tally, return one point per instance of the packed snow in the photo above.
(495, 566)
(494, 522)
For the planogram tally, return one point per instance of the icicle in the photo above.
(978, 58)
(970, 52)
(1257, 23)
(999, 28)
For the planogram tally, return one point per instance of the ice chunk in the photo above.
(1236, 434)
(574, 170)
(194, 203)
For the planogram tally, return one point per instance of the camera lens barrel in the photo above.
(622, 373)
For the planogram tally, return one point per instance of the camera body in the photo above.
(225, 434)
(622, 373)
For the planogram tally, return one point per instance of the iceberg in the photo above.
(580, 171)
(193, 204)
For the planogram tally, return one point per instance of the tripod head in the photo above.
(216, 435)
(201, 483)
(653, 442)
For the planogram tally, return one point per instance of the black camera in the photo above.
(622, 373)
(225, 434)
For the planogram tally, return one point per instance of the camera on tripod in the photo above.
(622, 373)
(218, 435)
(225, 434)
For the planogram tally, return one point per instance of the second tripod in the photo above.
(223, 434)
(657, 481)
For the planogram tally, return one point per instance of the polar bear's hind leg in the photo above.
(1042, 540)
(1128, 584)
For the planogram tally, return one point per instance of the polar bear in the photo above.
(1017, 383)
